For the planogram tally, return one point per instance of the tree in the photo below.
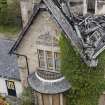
(10, 16)
(3, 12)
(87, 83)
(14, 14)
(10, 13)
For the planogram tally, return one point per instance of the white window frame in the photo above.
(45, 60)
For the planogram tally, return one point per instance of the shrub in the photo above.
(26, 97)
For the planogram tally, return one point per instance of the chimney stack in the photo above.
(26, 10)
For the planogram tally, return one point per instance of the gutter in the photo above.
(25, 58)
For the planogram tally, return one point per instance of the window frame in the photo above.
(39, 64)
(45, 59)
(48, 59)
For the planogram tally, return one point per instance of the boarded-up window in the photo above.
(49, 57)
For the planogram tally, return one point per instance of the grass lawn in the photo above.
(9, 31)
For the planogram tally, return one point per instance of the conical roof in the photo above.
(48, 82)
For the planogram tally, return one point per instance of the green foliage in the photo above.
(10, 15)
(3, 12)
(9, 31)
(26, 97)
(13, 14)
(87, 83)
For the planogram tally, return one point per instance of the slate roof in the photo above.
(8, 64)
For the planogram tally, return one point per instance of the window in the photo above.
(11, 88)
(41, 58)
(49, 60)
(57, 61)
(49, 57)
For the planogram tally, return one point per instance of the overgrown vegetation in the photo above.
(10, 18)
(26, 98)
(87, 83)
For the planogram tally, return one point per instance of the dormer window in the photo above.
(49, 60)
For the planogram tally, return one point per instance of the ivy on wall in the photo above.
(87, 83)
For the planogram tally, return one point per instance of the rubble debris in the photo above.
(90, 30)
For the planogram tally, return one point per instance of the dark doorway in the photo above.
(11, 88)
(91, 6)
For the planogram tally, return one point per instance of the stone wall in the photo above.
(43, 24)
(23, 70)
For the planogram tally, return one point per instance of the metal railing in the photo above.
(49, 75)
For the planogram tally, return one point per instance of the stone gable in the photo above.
(42, 25)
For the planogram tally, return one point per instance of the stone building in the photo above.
(37, 47)
(37, 50)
